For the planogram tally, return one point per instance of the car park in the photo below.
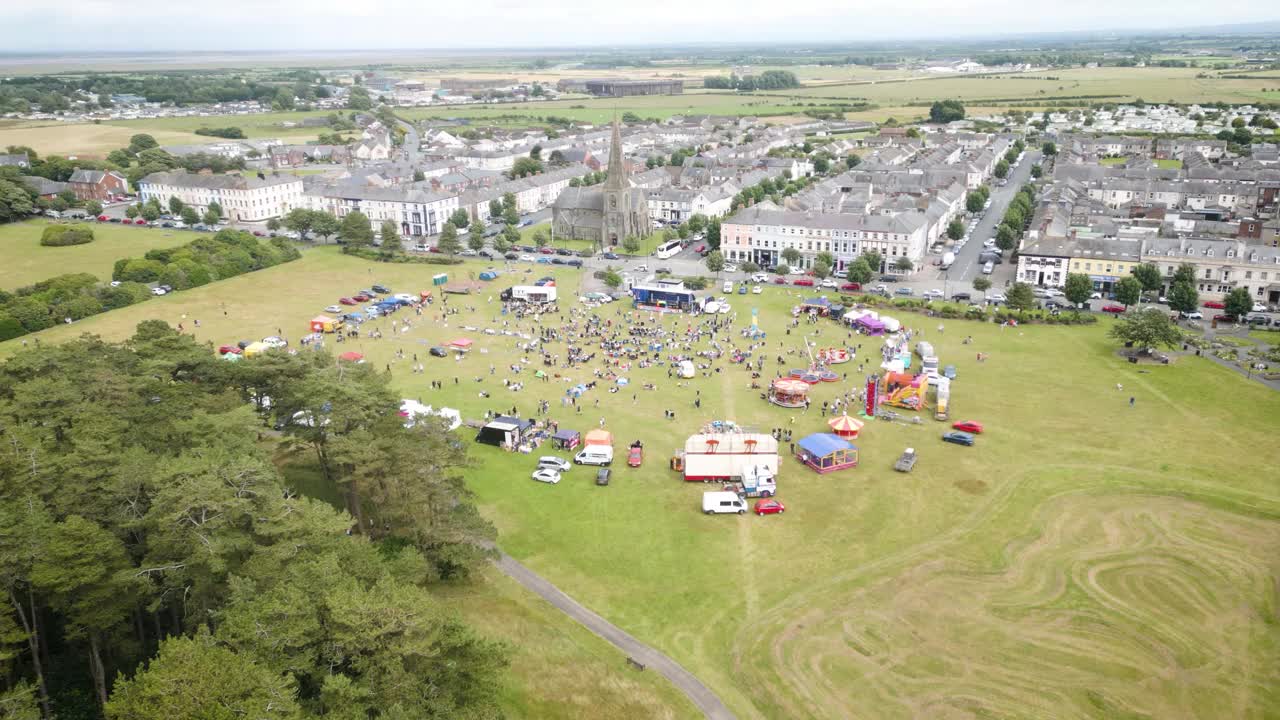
(553, 462)
(546, 475)
(959, 438)
(769, 506)
(972, 427)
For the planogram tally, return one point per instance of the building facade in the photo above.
(243, 199)
(607, 213)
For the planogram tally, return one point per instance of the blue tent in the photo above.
(826, 452)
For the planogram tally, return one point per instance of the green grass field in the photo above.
(1087, 559)
(23, 260)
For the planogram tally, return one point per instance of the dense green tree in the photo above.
(955, 229)
(511, 234)
(1183, 297)
(131, 212)
(541, 237)
(1049, 149)
(324, 224)
(355, 229)
(611, 278)
(945, 111)
(1186, 273)
(903, 264)
(860, 272)
(93, 207)
(714, 261)
(874, 260)
(1149, 276)
(1238, 302)
(791, 255)
(1148, 328)
(524, 167)
(460, 218)
(631, 244)
(822, 270)
(1001, 170)
(475, 238)
(1006, 239)
(389, 236)
(1077, 288)
(1128, 291)
(1020, 297)
(982, 284)
(140, 142)
(358, 98)
(448, 241)
(301, 221)
(175, 205)
(190, 216)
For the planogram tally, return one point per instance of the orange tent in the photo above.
(598, 437)
(845, 426)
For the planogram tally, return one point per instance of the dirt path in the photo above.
(700, 694)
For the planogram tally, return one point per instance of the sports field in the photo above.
(1086, 559)
(23, 260)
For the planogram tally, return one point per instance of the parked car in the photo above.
(511, 256)
(1113, 308)
(610, 256)
(102, 218)
(1258, 320)
(959, 438)
(1215, 304)
(528, 258)
(933, 293)
(851, 287)
(333, 309)
(347, 301)
(547, 251)
(829, 283)
(803, 282)
(769, 506)
(779, 280)
(1223, 317)
(1259, 307)
(224, 349)
(158, 291)
(759, 277)
(602, 476)
(961, 297)
(742, 289)
(757, 289)
(635, 456)
(553, 462)
(904, 291)
(546, 475)
(1193, 315)
(361, 297)
(995, 298)
(439, 351)
(275, 341)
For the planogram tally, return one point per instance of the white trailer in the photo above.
(534, 293)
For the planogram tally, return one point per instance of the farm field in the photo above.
(1070, 565)
(1111, 84)
(23, 260)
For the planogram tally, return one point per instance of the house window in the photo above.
(1208, 273)
(1248, 274)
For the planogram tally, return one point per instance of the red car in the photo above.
(770, 506)
(360, 297)
(259, 233)
(1223, 317)
(547, 251)
(1113, 308)
(635, 456)
(1215, 304)
(347, 301)
(102, 218)
(779, 280)
(804, 282)
(433, 249)
(224, 349)
(139, 221)
(969, 426)
(851, 287)
(700, 249)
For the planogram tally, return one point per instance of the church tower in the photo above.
(617, 195)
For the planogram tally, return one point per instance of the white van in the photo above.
(989, 268)
(715, 503)
(594, 455)
(728, 286)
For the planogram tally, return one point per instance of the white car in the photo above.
(468, 253)
(115, 283)
(158, 291)
(546, 475)
(405, 297)
(757, 289)
(642, 268)
(1054, 292)
(334, 309)
(1192, 315)
(528, 258)
(935, 293)
(829, 283)
(731, 267)
(551, 462)
(728, 286)
(989, 243)
(1095, 296)
(995, 297)
(760, 277)
(796, 271)
(1259, 307)
(274, 341)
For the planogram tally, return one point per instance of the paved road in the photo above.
(966, 266)
(701, 696)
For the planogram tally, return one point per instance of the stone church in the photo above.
(605, 213)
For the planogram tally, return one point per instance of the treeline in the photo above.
(55, 93)
(867, 60)
(767, 80)
(79, 295)
(157, 565)
(231, 133)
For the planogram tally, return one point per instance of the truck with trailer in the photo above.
(757, 481)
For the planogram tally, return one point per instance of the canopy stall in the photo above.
(598, 436)
(845, 426)
(870, 325)
(818, 305)
(826, 453)
(461, 344)
(566, 439)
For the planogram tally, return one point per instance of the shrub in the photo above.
(696, 283)
(63, 235)
(10, 327)
(369, 253)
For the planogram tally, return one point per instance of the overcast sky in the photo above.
(83, 25)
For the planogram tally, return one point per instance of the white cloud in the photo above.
(79, 25)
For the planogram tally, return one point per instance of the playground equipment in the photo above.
(788, 392)
(905, 391)
(824, 452)
(834, 356)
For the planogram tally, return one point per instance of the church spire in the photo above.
(617, 179)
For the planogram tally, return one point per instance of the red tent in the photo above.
(461, 344)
